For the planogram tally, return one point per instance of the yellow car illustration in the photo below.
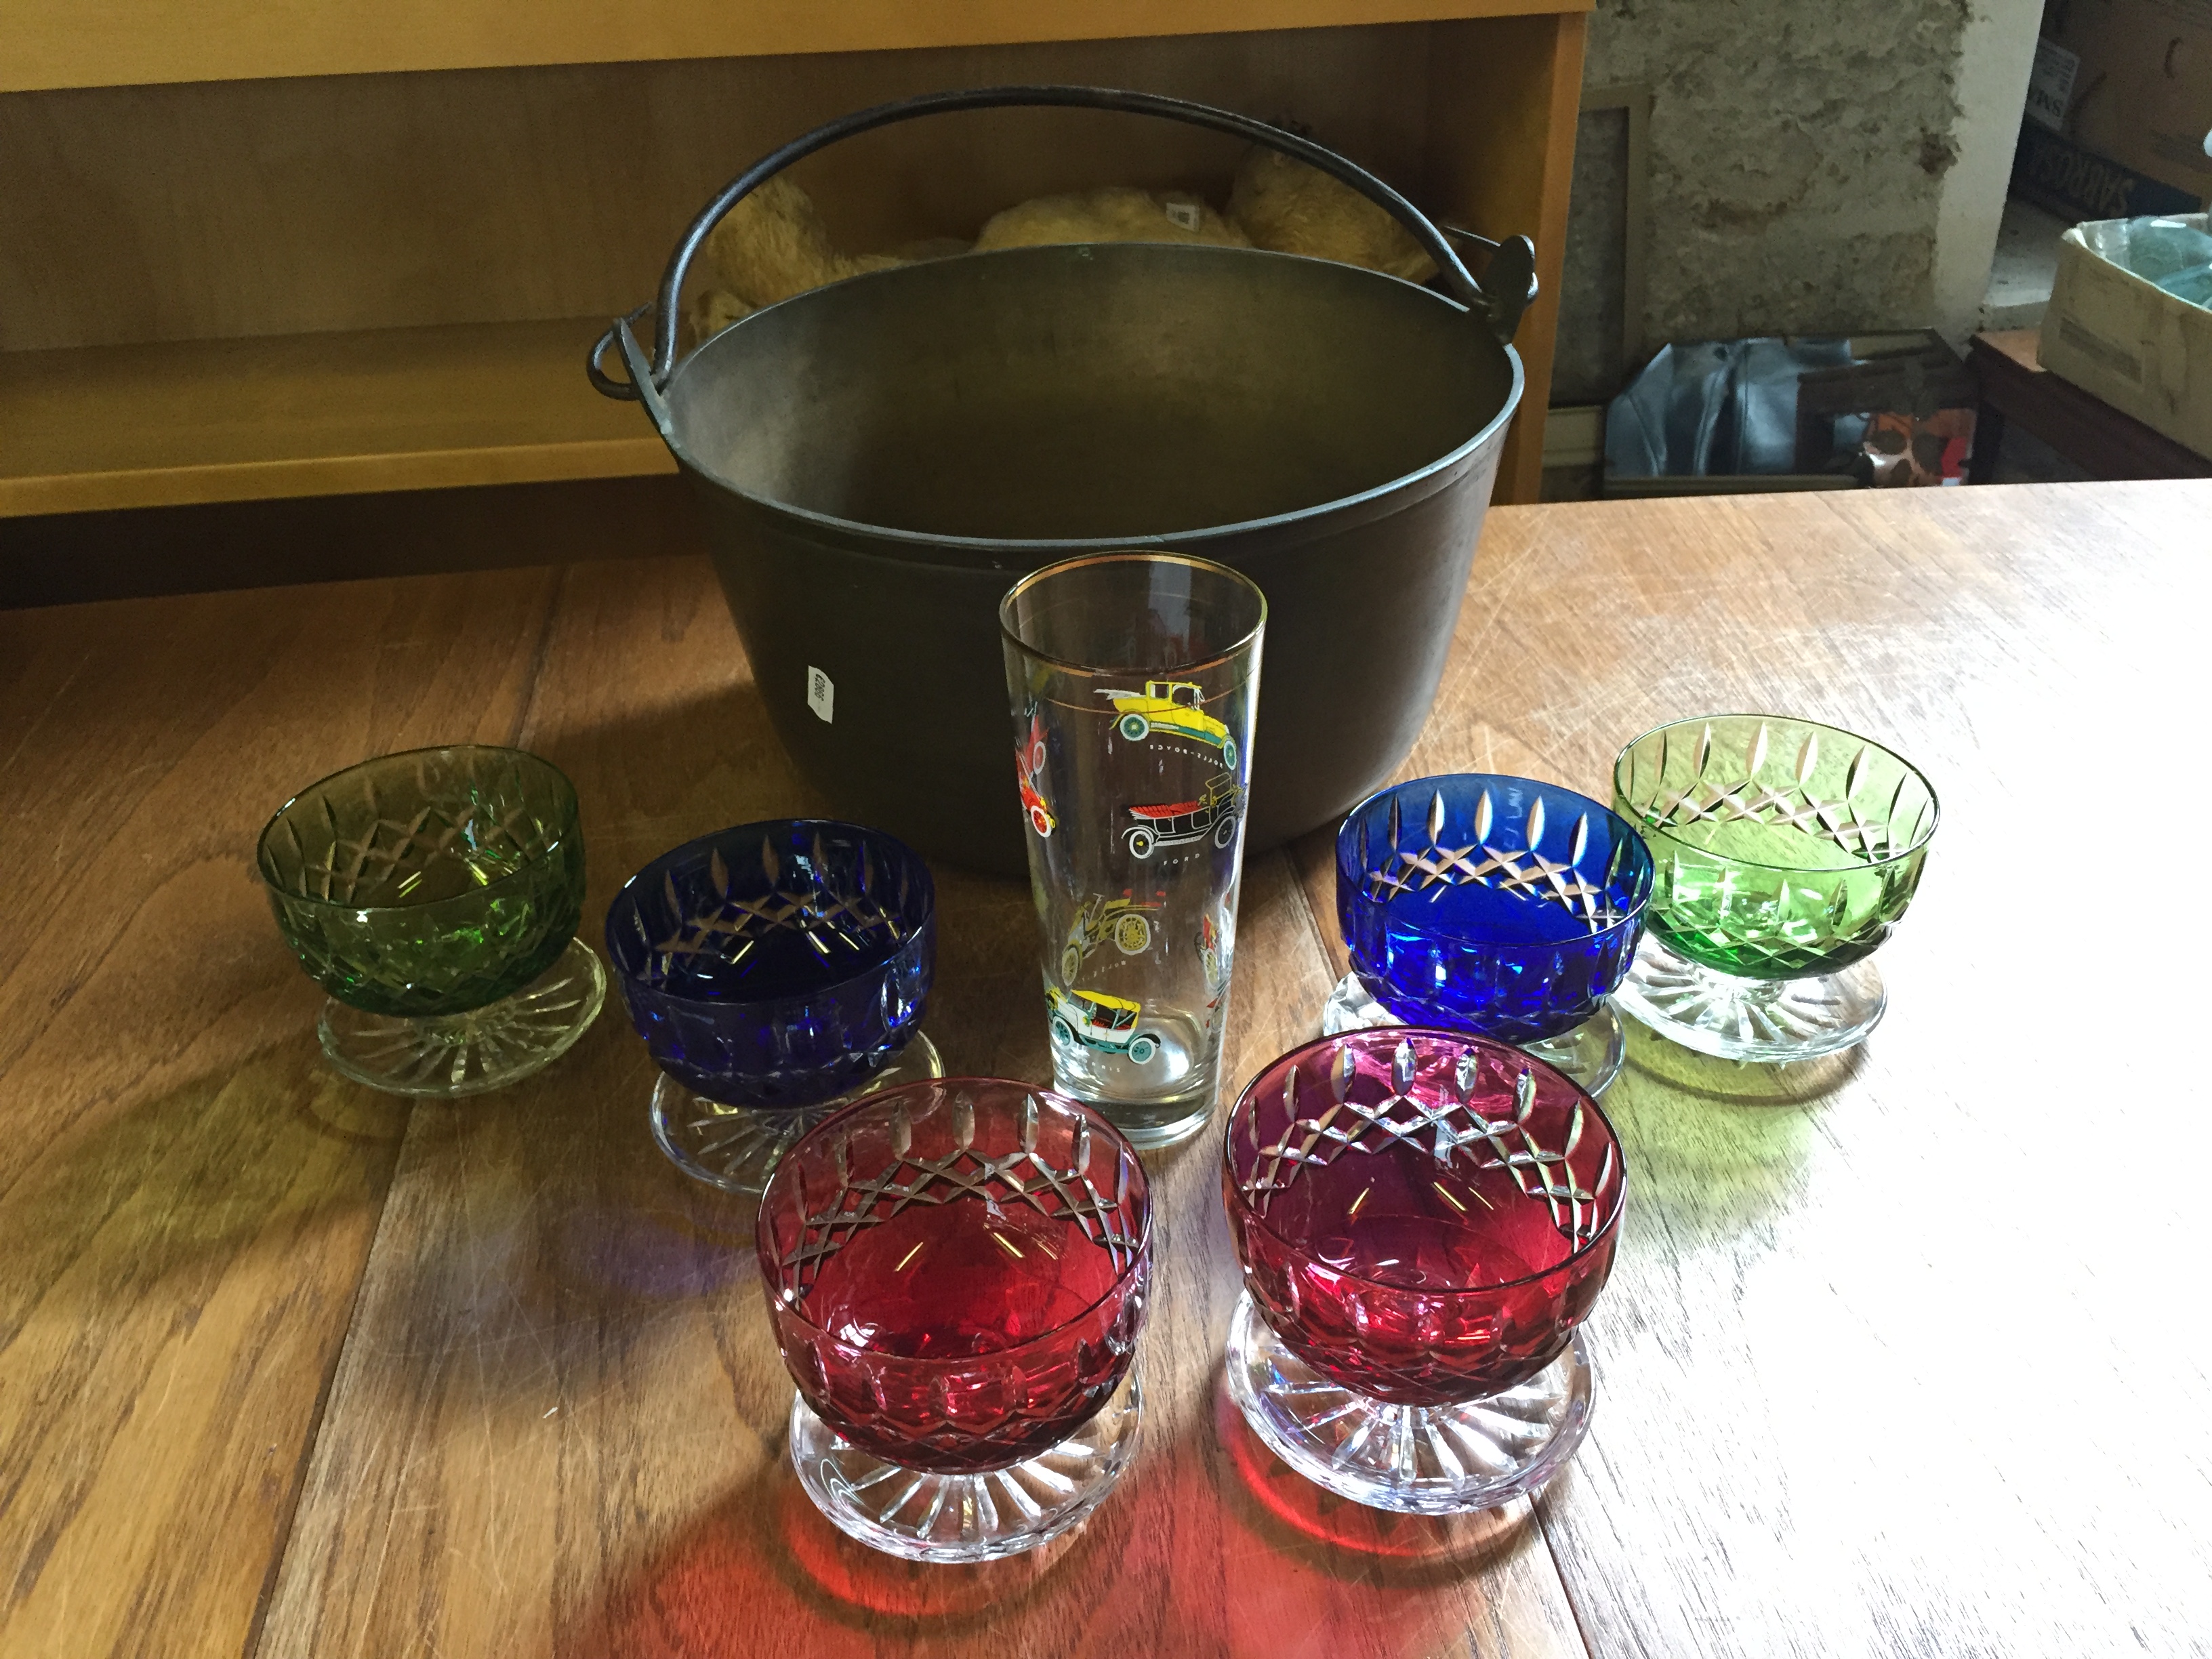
(1097, 1021)
(1175, 706)
(1099, 920)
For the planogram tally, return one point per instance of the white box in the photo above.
(2128, 342)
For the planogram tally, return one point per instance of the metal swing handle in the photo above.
(1509, 283)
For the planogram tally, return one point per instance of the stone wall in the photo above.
(1819, 166)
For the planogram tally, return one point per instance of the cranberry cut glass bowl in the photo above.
(1425, 1219)
(956, 1271)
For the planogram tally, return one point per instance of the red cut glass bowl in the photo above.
(956, 1271)
(1425, 1219)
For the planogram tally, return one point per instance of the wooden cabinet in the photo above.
(250, 251)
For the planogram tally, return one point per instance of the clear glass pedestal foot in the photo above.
(1419, 1460)
(1761, 1019)
(737, 1147)
(1591, 1054)
(448, 1056)
(927, 1516)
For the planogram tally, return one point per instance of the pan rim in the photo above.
(991, 551)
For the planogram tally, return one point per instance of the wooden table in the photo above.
(1904, 1354)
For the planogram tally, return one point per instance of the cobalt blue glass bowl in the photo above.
(773, 970)
(1497, 905)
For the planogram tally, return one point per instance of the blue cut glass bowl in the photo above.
(1491, 904)
(776, 965)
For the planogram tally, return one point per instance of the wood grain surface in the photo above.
(1903, 1354)
(1504, 99)
(596, 1464)
(187, 1194)
(99, 43)
(285, 416)
(244, 289)
(130, 214)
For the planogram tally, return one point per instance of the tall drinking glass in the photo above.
(1134, 678)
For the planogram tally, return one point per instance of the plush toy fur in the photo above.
(1117, 214)
(769, 246)
(774, 245)
(1288, 207)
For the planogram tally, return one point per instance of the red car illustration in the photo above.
(1029, 767)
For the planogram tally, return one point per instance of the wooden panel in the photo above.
(96, 43)
(1888, 1335)
(2082, 427)
(1503, 98)
(311, 415)
(2018, 346)
(187, 1194)
(558, 1426)
(193, 212)
(70, 558)
(342, 209)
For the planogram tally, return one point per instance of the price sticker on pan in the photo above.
(821, 693)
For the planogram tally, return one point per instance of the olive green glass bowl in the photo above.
(434, 895)
(1785, 853)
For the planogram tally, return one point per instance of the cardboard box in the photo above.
(2127, 341)
(2135, 80)
(2055, 174)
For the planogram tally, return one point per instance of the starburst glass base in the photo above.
(1591, 1053)
(1761, 1019)
(448, 1056)
(1419, 1460)
(737, 1148)
(927, 1516)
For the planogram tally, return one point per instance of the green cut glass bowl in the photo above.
(1784, 849)
(429, 883)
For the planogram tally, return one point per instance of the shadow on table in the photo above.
(1295, 1516)
(1717, 1146)
(175, 1185)
(1714, 1146)
(762, 1571)
(1737, 1082)
(1207, 1545)
(538, 1247)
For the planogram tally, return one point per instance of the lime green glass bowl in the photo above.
(1785, 851)
(434, 895)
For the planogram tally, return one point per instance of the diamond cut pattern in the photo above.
(1426, 1225)
(1792, 805)
(1438, 1127)
(1021, 1177)
(1782, 906)
(777, 964)
(994, 1147)
(1510, 869)
(429, 883)
(489, 841)
(830, 921)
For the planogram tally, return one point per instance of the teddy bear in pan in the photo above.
(774, 245)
